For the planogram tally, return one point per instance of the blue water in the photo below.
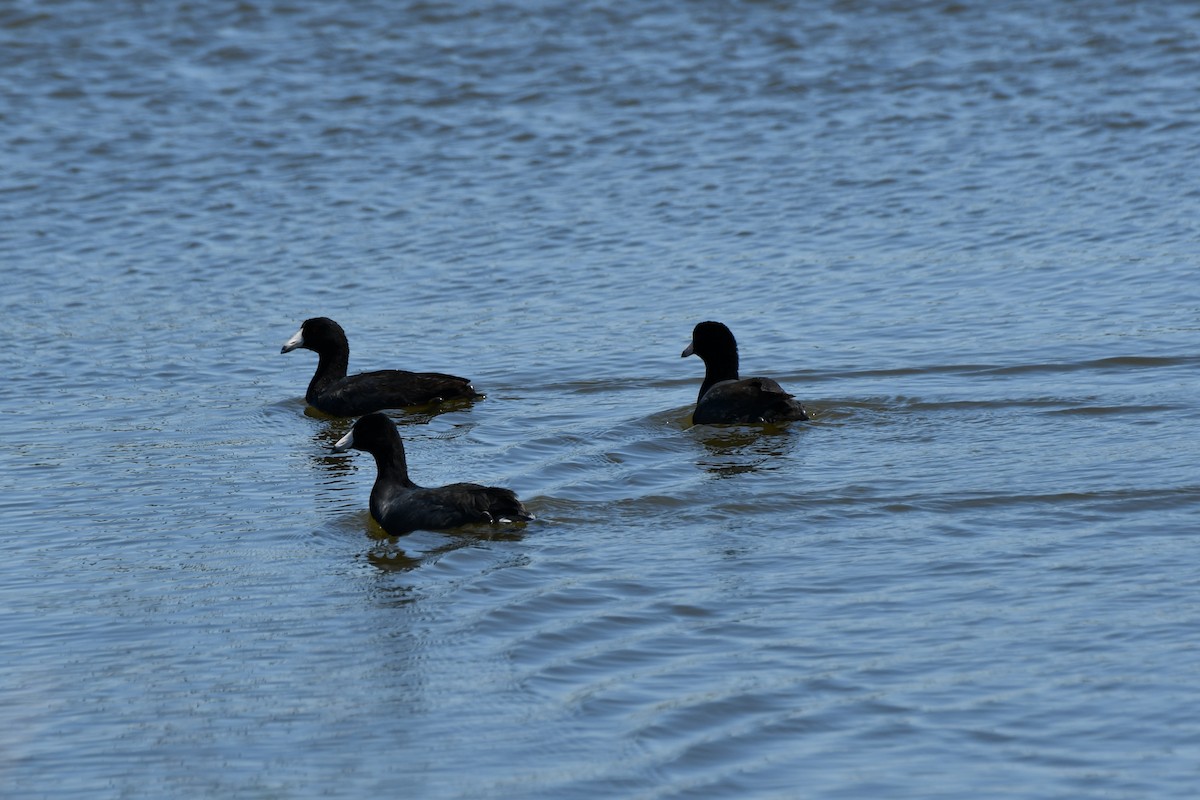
(964, 234)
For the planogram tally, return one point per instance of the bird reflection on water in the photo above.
(741, 449)
(387, 555)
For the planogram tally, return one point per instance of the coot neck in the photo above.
(720, 366)
(390, 462)
(331, 368)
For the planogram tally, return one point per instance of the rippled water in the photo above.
(963, 233)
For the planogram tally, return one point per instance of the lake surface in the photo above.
(964, 234)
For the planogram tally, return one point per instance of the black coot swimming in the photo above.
(400, 506)
(334, 393)
(726, 398)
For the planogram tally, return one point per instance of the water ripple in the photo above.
(962, 234)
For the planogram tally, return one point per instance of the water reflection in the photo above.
(336, 465)
(388, 555)
(739, 449)
(411, 415)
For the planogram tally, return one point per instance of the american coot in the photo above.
(332, 392)
(725, 398)
(400, 506)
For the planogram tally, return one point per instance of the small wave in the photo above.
(1118, 499)
(1105, 411)
(1112, 363)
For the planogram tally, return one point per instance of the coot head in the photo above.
(711, 339)
(371, 433)
(318, 334)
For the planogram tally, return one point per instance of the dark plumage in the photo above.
(726, 398)
(400, 506)
(334, 393)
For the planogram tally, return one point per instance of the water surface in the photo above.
(964, 234)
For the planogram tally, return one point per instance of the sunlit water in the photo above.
(964, 234)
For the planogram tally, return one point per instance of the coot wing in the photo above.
(447, 507)
(390, 388)
(490, 503)
(748, 400)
